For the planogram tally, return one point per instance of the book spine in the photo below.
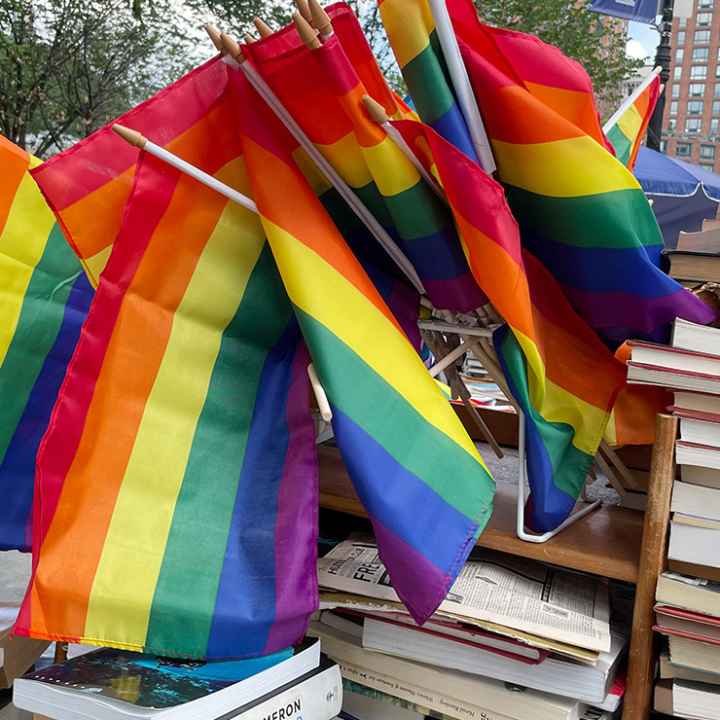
(416, 695)
(318, 698)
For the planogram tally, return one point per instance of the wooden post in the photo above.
(638, 695)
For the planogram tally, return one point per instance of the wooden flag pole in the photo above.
(610, 124)
(461, 84)
(264, 30)
(215, 37)
(235, 55)
(320, 19)
(140, 141)
(377, 113)
(304, 9)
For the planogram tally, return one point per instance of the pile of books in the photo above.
(514, 639)
(688, 598)
(696, 259)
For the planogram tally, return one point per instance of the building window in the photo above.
(682, 24)
(673, 107)
(663, 146)
(696, 90)
(702, 37)
(698, 72)
(714, 125)
(679, 55)
(707, 152)
(682, 149)
(716, 107)
(681, 37)
(695, 107)
(672, 124)
(706, 3)
(716, 91)
(677, 73)
(700, 54)
(693, 125)
(704, 19)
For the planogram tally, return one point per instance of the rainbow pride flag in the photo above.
(411, 30)
(177, 512)
(323, 90)
(43, 303)
(581, 212)
(420, 477)
(93, 179)
(562, 375)
(628, 132)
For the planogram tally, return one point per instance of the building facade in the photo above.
(691, 124)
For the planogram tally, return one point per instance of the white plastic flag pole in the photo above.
(610, 124)
(461, 84)
(235, 57)
(140, 141)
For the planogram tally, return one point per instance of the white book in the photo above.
(687, 453)
(698, 545)
(695, 500)
(669, 670)
(696, 700)
(561, 677)
(696, 475)
(698, 402)
(701, 431)
(117, 685)
(699, 338)
(461, 695)
(693, 654)
(694, 594)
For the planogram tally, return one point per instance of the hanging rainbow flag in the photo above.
(563, 376)
(411, 30)
(43, 303)
(323, 90)
(581, 213)
(420, 477)
(178, 482)
(93, 179)
(627, 133)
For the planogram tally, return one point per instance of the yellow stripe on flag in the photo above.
(135, 543)
(346, 157)
(630, 123)
(409, 23)
(392, 171)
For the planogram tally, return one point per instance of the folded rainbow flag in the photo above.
(323, 90)
(410, 28)
(44, 300)
(627, 133)
(178, 481)
(420, 477)
(559, 371)
(93, 179)
(581, 212)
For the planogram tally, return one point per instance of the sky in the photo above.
(642, 41)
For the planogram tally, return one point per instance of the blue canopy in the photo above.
(684, 194)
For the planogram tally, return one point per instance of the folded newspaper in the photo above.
(509, 591)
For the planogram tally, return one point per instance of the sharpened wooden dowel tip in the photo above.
(306, 31)
(130, 136)
(231, 47)
(320, 19)
(304, 9)
(264, 30)
(214, 35)
(375, 110)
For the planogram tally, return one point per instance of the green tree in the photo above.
(596, 41)
(69, 66)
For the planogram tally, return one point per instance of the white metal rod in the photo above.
(320, 396)
(200, 176)
(378, 232)
(461, 83)
(448, 360)
(630, 100)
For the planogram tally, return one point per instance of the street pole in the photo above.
(662, 58)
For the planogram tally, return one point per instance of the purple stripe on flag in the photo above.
(460, 293)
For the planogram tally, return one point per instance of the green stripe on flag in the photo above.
(621, 144)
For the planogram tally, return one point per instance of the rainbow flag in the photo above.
(420, 477)
(177, 512)
(559, 371)
(44, 300)
(411, 30)
(581, 212)
(323, 90)
(628, 132)
(93, 179)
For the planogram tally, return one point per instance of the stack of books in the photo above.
(696, 258)
(514, 639)
(294, 684)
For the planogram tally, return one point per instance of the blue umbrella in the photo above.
(684, 194)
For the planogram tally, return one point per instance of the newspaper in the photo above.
(502, 589)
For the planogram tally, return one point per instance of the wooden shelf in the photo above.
(606, 542)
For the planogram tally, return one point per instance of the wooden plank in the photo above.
(606, 542)
(638, 693)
